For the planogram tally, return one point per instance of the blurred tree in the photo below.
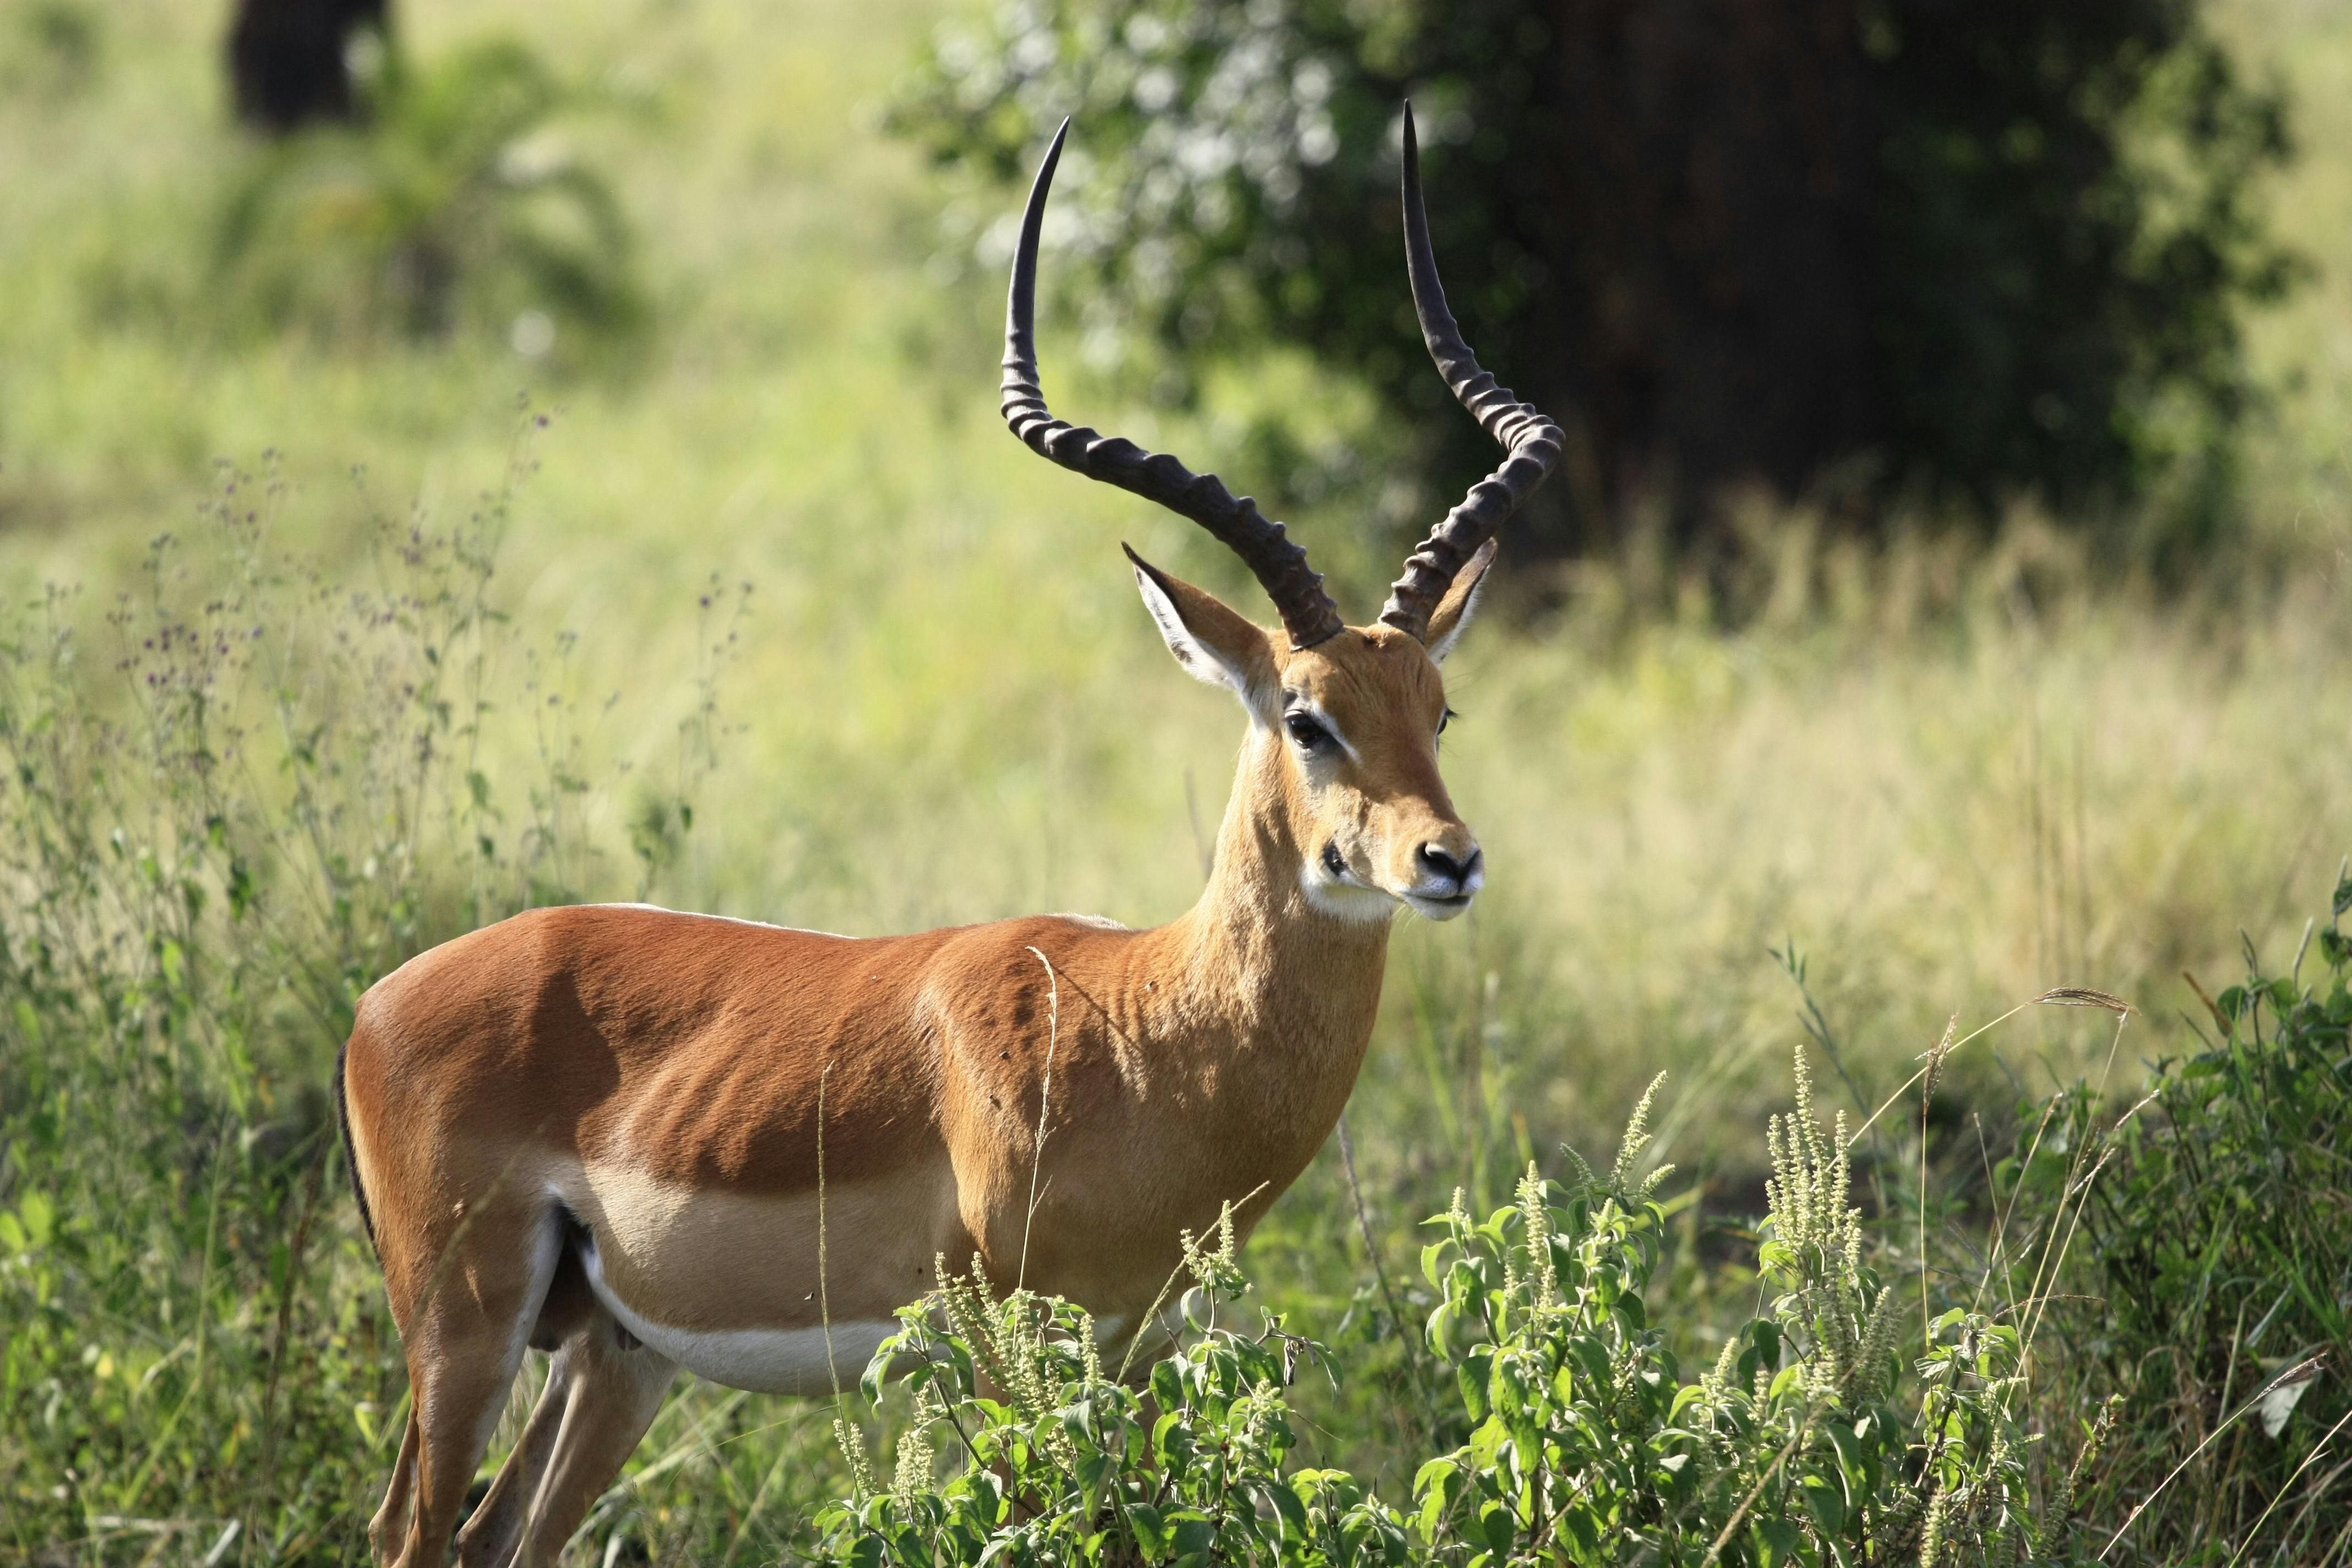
(461, 209)
(1851, 249)
(290, 61)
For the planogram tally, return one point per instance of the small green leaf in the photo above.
(1473, 1374)
(1173, 1443)
(1847, 1440)
(1498, 1527)
(1194, 1534)
(39, 1216)
(1442, 1324)
(1167, 1386)
(1825, 1500)
(1778, 1541)
(1151, 1532)
(1445, 1475)
(1509, 1388)
(1579, 1521)
(1286, 1502)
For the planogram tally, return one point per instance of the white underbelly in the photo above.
(766, 1361)
(806, 1361)
(725, 1283)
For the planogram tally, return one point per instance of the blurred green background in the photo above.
(1950, 743)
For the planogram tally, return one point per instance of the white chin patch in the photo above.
(1345, 900)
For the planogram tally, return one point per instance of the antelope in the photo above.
(620, 1133)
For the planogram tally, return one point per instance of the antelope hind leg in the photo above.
(496, 1526)
(613, 1396)
(391, 1521)
(566, 1317)
(465, 1339)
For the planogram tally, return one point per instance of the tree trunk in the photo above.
(289, 62)
(1713, 200)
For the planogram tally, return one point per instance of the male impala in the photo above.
(597, 1130)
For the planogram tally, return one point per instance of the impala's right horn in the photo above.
(1532, 440)
(1307, 613)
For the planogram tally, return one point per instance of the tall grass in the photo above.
(241, 789)
(1985, 773)
(2211, 1252)
(232, 801)
(247, 786)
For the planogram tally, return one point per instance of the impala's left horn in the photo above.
(1277, 560)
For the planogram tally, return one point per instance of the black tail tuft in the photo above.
(351, 1157)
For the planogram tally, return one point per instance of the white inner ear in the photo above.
(1445, 645)
(1200, 661)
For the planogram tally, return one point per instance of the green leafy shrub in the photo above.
(1806, 1442)
(2213, 1272)
(1809, 1441)
(1063, 1462)
(459, 207)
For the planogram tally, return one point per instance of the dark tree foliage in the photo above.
(1860, 249)
(290, 63)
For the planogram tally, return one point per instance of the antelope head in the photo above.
(1344, 719)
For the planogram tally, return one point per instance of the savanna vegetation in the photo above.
(583, 479)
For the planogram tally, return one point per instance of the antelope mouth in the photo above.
(1441, 908)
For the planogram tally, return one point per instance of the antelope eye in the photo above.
(1305, 731)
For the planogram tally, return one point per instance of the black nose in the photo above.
(1444, 865)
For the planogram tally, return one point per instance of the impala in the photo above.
(599, 1130)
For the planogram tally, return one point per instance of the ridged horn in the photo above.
(1532, 441)
(1280, 566)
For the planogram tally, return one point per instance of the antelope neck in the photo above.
(1301, 984)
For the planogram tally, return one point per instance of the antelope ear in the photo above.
(1214, 644)
(1453, 614)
